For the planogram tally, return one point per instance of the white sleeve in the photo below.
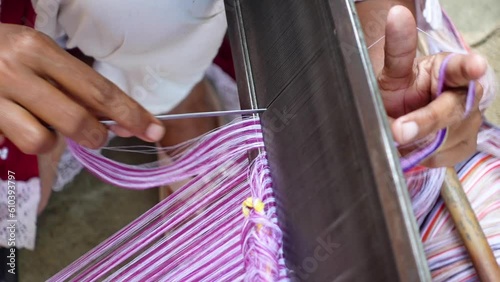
(46, 17)
(154, 50)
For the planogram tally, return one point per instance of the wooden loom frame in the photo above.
(343, 202)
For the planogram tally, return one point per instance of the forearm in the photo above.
(373, 15)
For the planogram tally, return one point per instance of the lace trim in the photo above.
(27, 197)
(67, 169)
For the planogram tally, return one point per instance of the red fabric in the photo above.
(12, 159)
(17, 12)
(224, 58)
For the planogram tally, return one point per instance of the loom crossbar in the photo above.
(343, 202)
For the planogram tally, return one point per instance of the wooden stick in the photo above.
(468, 227)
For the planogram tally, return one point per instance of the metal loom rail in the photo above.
(342, 200)
(305, 61)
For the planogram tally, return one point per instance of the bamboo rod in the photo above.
(468, 227)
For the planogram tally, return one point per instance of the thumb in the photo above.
(400, 47)
(446, 110)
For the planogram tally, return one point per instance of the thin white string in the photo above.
(419, 29)
(374, 43)
(428, 34)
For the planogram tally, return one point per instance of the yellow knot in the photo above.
(255, 204)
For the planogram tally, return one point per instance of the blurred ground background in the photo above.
(84, 214)
(87, 211)
(479, 22)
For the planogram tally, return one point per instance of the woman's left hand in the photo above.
(409, 87)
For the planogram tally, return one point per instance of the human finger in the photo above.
(463, 132)
(59, 111)
(94, 91)
(453, 155)
(461, 69)
(120, 131)
(24, 130)
(400, 48)
(447, 109)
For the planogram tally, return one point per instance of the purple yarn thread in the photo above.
(412, 160)
(260, 238)
(235, 139)
(261, 235)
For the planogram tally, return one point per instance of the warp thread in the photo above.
(214, 149)
(199, 233)
(424, 189)
(262, 237)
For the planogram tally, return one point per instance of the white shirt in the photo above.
(154, 50)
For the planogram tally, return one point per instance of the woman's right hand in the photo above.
(41, 84)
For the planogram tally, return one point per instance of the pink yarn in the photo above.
(261, 234)
(200, 232)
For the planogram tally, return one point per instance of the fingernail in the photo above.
(155, 132)
(2, 139)
(409, 130)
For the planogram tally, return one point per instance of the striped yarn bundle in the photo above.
(220, 226)
(480, 177)
(448, 258)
